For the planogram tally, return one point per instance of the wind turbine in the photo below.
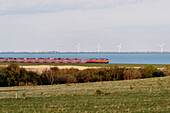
(78, 48)
(99, 47)
(161, 46)
(119, 46)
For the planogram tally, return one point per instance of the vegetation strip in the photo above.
(13, 75)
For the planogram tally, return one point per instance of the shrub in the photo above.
(89, 75)
(24, 75)
(99, 92)
(57, 76)
(66, 76)
(47, 77)
(34, 78)
(44, 78)
(116, 73)
(62, 79)
(150, 71)
(131, 73)
(166, 70)
(10, 75)
(71, 79)
(1, 81)
(83, 76)
(13, 75)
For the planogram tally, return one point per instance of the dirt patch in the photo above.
(41, 68)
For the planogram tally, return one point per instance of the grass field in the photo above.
(89, 65)
(144, 95)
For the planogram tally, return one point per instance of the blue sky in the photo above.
(47, 25)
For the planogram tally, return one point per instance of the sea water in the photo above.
(123, 58)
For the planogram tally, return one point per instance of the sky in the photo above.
(60, 25)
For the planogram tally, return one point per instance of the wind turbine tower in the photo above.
(98, 47)
(161, 46)
(120, 47)
(78, 48)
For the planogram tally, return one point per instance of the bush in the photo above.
(166, 70)
(99, 92)
(116, 73)
(150, 71)
(57, 76)
(89, 75)
(67, 78)
(34, 78)
(10, 75)
(131, 73)
(1, 81)
(13, 75)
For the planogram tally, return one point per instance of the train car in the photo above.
(53, 60)
(95, 60)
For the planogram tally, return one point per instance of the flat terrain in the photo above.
(41, 68)
(143, 95)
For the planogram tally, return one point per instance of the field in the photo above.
(142, 95)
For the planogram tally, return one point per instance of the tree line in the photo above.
(13, 75)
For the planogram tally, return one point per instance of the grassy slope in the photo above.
(144, 95)
(90, 65)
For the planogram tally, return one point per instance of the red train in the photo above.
(53, 60)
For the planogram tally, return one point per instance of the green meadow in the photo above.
(140, 95)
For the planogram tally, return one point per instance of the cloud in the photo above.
(44, 6)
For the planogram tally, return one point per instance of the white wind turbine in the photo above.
(78, 48)
(161, 46)
(120, 47)
(98, 47)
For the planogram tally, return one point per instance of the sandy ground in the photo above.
(47, 67)
(41, 68)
